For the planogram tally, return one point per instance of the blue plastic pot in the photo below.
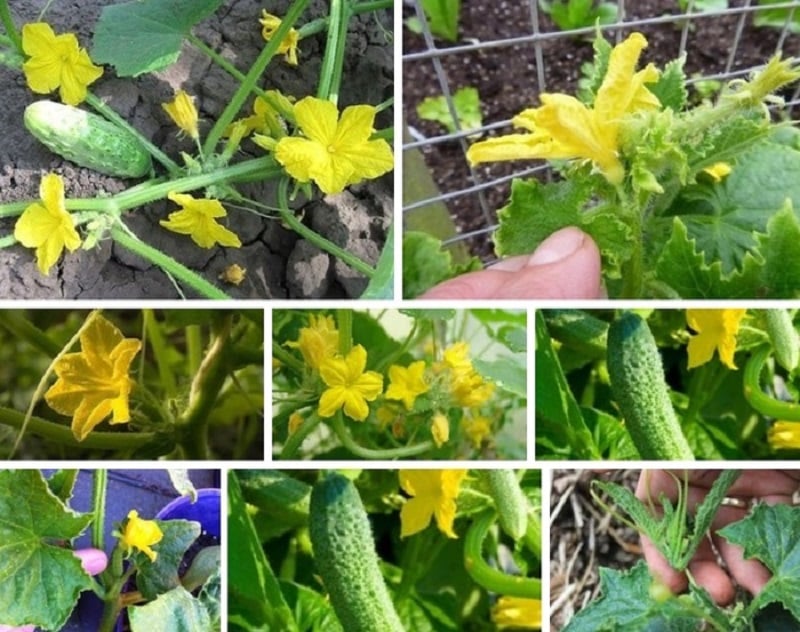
(206, 511)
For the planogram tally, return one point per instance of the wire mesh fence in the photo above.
(512, 51)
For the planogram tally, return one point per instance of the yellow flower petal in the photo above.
(784, 435)
(183, 113)
(440, 430)
(718, 171)
(57, 61)
(334, 154)
(197, 219)
(407, 383)
(349, 386)
(141, 534)
(716, 330)
(48, 228)
(518, 613)
(94, 383)
(434, 493)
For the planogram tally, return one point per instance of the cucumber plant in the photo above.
(364, 557)
(667, 384)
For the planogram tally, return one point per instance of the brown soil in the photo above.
(506, 79)
(279, 265)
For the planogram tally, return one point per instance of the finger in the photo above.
(93, 561)
(749, 574)
(660, 568)
(566, 265)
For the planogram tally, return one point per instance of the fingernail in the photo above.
(93, 561)
(560, 245)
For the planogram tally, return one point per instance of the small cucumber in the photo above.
(345, 555)
(87, 139)
(784, 338)
(638, 384)
(276, 493)
(512, 506)
(578, 330)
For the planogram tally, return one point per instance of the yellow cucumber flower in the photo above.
(718, 171)
(317, 342)
(349, 386)
(94, 383)
(335, 152)
(183, 113)
(57, 61)
(716, 330)
(456, 357)
(433, 494)
(784, 435)
(197, 219)
(518, 612)
(564, 128)
(48, 227)
(477, 429)
(141, 534)
(440, 429)
(288, 47)
(407, 383)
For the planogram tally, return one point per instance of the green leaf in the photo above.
(507, 374)
(559, 419)
(182, 483)
(61, 483)
(771, 534)
(381, 285)
(613, 440)
(174, 611)
(685, 270)
(443, 17)
(671, 85)
(429, 613)
(162, 575)
(146, 35)
(254, 594)
(776, 18)
(312, 611)
(626, 604)
(593, 73)
(210, 598)
(425, 263)
(781, 275)
(39, 580)
(536, 211)
(467, 105)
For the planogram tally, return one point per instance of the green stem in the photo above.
(16, 322)
(289, 218)
(160, 351)
(491, 578)
(331, 71)
(111, 115)
(295, 440)
(758, 399)
(204, 392)
(337, 423)
(256, 70)
(344, 323)
(166, 263)
(11, 28)
(286, 358)
(99, 508)
(63, 434)
(194, 348)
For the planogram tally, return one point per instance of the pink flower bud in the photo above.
(24, 628)
(93, 561)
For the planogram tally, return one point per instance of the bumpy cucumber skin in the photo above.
(512, 506)
(638, 384)
(87, 139)
(344, 551)
(784, 338)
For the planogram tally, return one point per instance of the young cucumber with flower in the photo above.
(680, 199)
(341, 376)
(668, 384)
(307, 140)
(429, 520)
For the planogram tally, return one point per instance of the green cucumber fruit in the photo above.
(784, 338)
(512, 506)
(87, 139)
(345, 555)
(638, 384)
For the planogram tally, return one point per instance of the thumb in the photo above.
(565, 265)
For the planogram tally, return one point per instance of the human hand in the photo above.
(93, 561)
(565, 265)
(769, 486)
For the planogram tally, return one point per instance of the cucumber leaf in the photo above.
(506, 374)
(443, 17)
(467, 104)
(161, 576)
(39, 580)
(146, 35)
(771, 534)
(174, 611)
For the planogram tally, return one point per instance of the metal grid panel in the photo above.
(787, 42)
